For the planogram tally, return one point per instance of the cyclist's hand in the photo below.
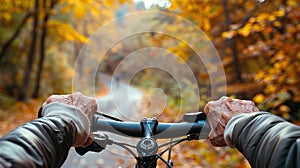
(220, 112)
(83, 109)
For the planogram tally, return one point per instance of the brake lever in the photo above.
(100, 142)
(94, 147)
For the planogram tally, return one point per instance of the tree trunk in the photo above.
(14, 36)
(31, 55)
(42, 47)
(232, 44)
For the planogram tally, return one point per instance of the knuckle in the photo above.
(209, 106)
(51, 98)
(251, 103)
(77, 94)
(224, 98)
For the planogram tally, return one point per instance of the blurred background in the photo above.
(257, 40)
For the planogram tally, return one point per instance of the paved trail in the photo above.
(120, 102)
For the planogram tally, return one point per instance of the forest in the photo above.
(247, 49)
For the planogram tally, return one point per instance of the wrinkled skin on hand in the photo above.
(220, 112)
(87, 105)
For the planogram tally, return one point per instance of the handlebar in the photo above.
(162, 131)
(148, 130)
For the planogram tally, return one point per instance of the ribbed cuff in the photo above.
(80, 119)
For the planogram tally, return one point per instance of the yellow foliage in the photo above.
(245, 31)
(277, 65)
(277, 24)
(174, 5)
(281, 76)
(252, 20)
(5, 16)
(284, 109)
(258, 27)
(65, 31)
(280, 12)
(261, 17)
(79, 7)
(270, 89)
(271, 17)
(259, 98)
(229, 34)
(65, 9)
(206, 24)
(190, 7)
(95, 11)
(293, 3)
(259, 75)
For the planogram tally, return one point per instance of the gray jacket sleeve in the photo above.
(265, 140)
(44, 142)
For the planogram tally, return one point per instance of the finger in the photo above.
(94, 106)
(211, 105)
(255, 109)
(206, 108)
(88, 142)
(229, 106)
(224, 99)
(224, 119)
(51, 98)
(217, 139)
(77, 94)
(59, 98)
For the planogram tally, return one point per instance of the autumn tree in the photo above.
(48, 9)
(51, 20)
(31, 54)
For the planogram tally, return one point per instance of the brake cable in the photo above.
(170, 151)
(176, 142)
(162, 159)
(124, 145)
(108, 116)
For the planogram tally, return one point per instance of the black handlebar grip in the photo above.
(94, 147)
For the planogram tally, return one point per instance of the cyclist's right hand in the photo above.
(220, 112)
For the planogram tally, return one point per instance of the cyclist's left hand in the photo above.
(86, 105)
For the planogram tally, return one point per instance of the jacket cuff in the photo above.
(80, 119)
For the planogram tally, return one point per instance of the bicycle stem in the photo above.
(147, 146)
